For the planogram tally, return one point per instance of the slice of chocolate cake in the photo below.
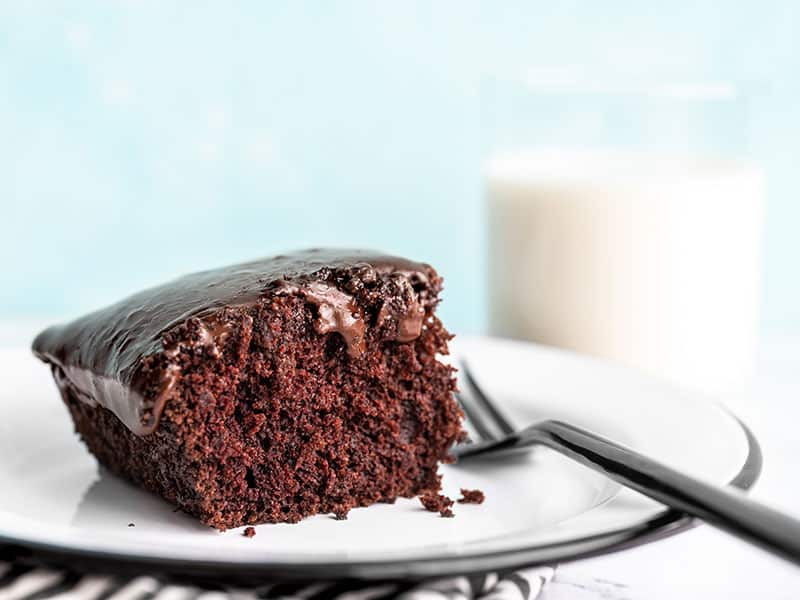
(267, 391)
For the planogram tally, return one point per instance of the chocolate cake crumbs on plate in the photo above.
(249, 532)
(471, 497)
(267, 391)
(436, 502)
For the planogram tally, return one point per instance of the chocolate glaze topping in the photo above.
(336, 312)
(99, 356)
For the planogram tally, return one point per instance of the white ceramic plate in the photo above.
(540, 507)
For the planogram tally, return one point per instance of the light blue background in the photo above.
(140, 140)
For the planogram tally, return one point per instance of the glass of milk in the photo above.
(624, 221)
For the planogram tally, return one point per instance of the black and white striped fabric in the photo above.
(21, 582)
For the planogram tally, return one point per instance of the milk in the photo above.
(651, 262)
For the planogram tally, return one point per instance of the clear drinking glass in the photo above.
(624, 221)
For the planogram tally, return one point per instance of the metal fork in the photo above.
(725, 508)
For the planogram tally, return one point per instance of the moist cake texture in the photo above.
(267, 391)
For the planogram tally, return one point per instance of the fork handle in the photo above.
(725, 508)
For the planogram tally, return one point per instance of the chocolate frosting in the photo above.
(98, 357)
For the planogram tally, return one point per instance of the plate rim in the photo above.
(665, 524)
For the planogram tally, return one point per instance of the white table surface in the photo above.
(701, 563)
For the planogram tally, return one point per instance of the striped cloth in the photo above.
(23, 582)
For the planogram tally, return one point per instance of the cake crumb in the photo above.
(131, 524)
(249, 532)
(340, 515)
(471, 496)
(437, 503)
